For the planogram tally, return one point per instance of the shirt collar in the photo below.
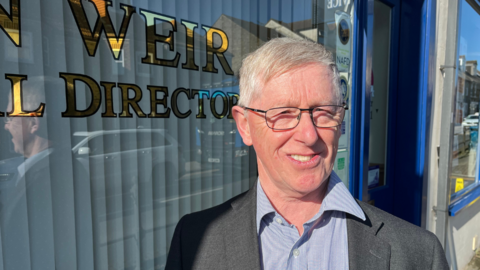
(264, 207)
(337, 198)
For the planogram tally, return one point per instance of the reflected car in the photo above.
(132, 174)
(130, 147)
(470, 121)
(218, 142)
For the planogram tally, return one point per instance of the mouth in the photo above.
(302, 158)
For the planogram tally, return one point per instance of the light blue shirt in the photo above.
(324, 242)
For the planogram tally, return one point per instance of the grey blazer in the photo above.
(225, 237)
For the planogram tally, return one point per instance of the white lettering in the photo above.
(336, 3)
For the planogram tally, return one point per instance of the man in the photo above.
(298, 215)
(31, 202)
(26, 197)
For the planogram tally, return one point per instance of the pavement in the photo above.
(474, 263)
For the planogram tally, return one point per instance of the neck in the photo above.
(295, 208)
(36, 146)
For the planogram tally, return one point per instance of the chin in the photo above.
(18, 150)
(309, 183)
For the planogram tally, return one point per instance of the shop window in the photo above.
(465, 148)
(117, 119)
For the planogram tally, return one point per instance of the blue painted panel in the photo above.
(413, 105)
(409, 107)
(357, 94)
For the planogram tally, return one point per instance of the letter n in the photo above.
(10, 24)
(90, 39)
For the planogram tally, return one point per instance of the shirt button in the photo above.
(296, 252)
(279, 221)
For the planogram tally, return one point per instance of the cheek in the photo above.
(268, 144)
(329, 137)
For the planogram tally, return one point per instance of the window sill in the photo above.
(466, 199)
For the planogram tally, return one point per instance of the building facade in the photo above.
(118, 118)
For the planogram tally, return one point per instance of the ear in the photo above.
(242, 124)
(34, 125)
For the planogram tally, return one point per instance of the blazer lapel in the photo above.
(365, 249)
(241, 239)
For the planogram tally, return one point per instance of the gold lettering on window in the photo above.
(17, 103)
(108, 86)
(104, 22)
(152, 39)
(127, 102)
(154, 101)
(10, 22)
(190, 47)
(218, 51)
(70, 94)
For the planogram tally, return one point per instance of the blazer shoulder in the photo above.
(209, 215)
(410, 245)
(393, 223)
(198, 240)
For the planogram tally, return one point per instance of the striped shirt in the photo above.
(323, 244)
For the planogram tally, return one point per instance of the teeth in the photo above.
(302, 158)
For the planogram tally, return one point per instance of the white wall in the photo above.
(461, 231)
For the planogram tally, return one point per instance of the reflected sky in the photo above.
(207, 12)
(469, 29)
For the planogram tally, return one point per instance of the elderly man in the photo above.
(299, 214)
(32, 202)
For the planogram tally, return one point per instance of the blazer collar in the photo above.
(241, 240)
(365, 249)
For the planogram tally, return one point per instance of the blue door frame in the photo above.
(412, 69)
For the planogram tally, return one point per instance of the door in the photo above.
(382, 103)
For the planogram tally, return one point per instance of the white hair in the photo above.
(278, 56)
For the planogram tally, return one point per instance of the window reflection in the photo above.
(467, 97)
(136, 128)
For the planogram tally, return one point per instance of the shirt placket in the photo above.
(297, 257)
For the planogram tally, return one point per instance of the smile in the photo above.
(302, 158)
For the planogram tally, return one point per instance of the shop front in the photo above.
(118, 116)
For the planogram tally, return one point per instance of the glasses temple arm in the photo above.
(255, 110)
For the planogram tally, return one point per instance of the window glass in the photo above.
(333, 23)
(464, 172)
(118, 119)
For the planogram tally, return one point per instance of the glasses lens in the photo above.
(328, 116)
(282, 118)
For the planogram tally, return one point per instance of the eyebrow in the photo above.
(287, 104)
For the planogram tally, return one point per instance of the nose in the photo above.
(306, 132)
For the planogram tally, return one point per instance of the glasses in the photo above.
(283, 118)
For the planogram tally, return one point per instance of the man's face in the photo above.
(19, 128)
(278, 151)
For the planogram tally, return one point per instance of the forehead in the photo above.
(308, 85)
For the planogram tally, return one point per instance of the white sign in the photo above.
(344, 39)
(336, 3)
